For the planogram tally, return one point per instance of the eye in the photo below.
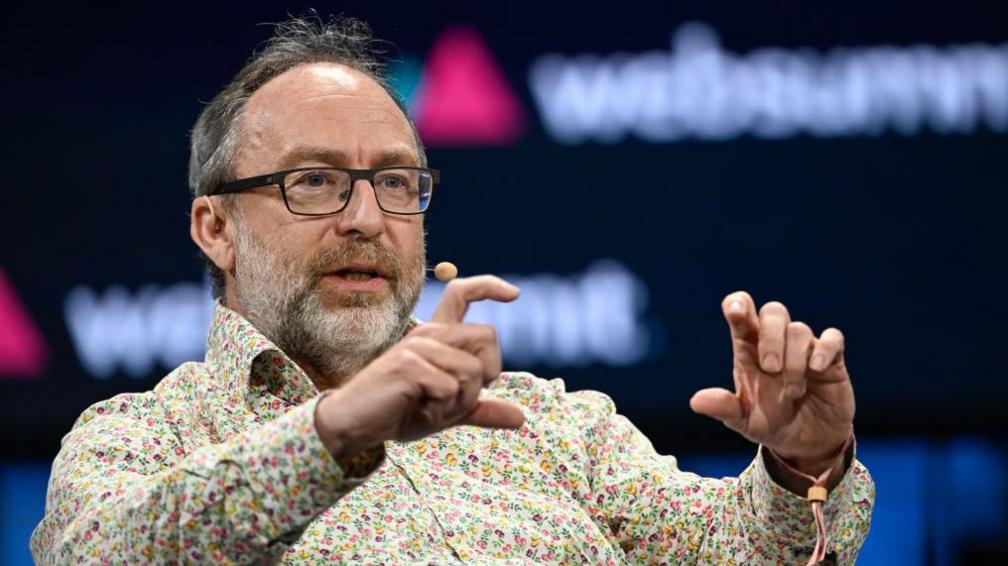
(315, 179)
(392, 182)
(312, 179)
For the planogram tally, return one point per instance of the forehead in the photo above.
(324, 105)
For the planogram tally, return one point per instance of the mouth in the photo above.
(354, 275)
(358, 277)
(360, 272)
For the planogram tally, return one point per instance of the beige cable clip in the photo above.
(817, 493)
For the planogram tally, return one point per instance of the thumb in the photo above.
(495, 413)
(720, 404)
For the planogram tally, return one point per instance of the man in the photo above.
(309, 183)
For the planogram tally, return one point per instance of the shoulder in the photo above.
(144, 405)
(131, 431)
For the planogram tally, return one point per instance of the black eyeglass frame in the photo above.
(277, 178)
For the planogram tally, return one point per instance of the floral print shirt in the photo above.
(221, 462)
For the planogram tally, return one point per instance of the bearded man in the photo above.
(325, 424)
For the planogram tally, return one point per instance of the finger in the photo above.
(459, 293)
(440, 389)
(463, 366)
(495, 413)
(773, 321)
(740, 312)
(479, 339)
(720, 404)
(828, 350)
(434, 382)
(796, 355)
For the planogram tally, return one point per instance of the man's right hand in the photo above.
(427, 382)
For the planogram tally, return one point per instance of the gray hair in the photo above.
(298, 41)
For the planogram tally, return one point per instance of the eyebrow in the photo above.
(336, 158)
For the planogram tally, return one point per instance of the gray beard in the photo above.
(279, 297)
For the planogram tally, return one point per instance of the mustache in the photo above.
(366, 251)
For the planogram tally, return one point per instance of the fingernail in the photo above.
(818, 362)
(771, 363)
(735, 307)
(793, 391)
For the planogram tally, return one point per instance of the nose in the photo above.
(362, 217)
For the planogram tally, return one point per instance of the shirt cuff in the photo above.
(788, 517)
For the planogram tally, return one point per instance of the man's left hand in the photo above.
(792, 391)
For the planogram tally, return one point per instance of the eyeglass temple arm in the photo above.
(249, 183)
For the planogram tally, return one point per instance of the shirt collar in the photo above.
(243, 358)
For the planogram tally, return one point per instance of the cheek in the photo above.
(263, 212)
(407, 238)
(292, 246)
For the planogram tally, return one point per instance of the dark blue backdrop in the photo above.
(893, 236)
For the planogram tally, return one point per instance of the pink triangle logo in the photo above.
(463, 97)
(22, 350)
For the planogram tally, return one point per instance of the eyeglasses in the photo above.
(319, 191)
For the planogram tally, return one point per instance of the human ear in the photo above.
(208, 227)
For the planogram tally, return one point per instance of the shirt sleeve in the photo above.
(660, 514)
(113, 498)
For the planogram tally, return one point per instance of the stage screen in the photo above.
(627, 168)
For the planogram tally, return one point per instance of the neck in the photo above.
(334, 376)
(322, 380)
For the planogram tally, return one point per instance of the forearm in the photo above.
(240, 501)
(665, 514)
(784, 519)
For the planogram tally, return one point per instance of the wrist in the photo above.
(815, 463)
(337, 429)
(797, 473)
